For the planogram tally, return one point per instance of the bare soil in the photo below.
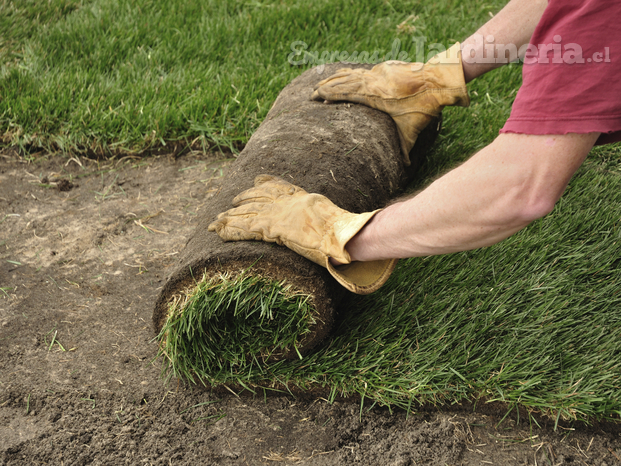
(84, 248)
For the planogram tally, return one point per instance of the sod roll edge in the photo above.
(346, 152)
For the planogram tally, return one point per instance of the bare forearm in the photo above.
(498, 41)
(463, 210)
(437, 221)
(499, 191)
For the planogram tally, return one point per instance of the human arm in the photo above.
(510, 29)
(310, 224)
(500, 190)
(497, 192)
(413, 93)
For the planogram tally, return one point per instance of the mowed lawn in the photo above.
(534, 320)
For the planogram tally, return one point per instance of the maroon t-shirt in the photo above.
(571, 77)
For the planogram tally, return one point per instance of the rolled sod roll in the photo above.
(228, 304)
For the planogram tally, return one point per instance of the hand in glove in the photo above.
(309, 224)
(411, 93)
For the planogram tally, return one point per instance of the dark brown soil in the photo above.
(81, 264)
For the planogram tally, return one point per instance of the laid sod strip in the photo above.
(231, 324)
(534, 320)
(107, 76)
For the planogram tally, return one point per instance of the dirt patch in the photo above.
(80, 271)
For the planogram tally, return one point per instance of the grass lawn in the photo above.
(533, 320)
(130, 75)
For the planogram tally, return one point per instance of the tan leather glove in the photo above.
(411, 93)
(309, 224)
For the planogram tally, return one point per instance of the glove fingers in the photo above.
(231, 232)
(264, 178)
(263, 194)
(275, 181)
(349, 85)
(240, 223)
(349, 96)
(409, 127)
(339, 74)
(267, 189)
(340, 84)
(251, 209)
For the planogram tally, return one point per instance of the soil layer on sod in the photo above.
(346, 152)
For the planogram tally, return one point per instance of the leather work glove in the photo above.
(309, 224)
(411, 93)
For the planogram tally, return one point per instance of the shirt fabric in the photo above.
(571, 76)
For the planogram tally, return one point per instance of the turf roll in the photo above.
(228, 305)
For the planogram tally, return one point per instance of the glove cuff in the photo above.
(358, 277)
(445, 70)
(344, 228)
(363, 277)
